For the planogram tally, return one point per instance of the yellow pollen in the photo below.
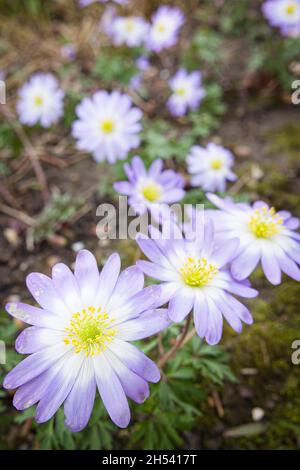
(38, 100)
(265, 223)
(152, 191)
(197, 272)
(216, 164)
(180, 91)
(89, 331)
(160, 27)
(107, 126)
(129, 25)
(291, 9)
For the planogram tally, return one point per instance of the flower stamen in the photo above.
(197, 272)
(180, 91)
(291, 9)
(151, 191)
(216, 164)
(160, 27)
(38, 100)
(107, 126)
(90, 331)
(129, 25)
(265, 223)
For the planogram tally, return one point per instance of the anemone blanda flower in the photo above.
(40, 101)
(108, 126)
(284, 14)
(195, 278)
(265, 236)
(131, 30)
(210, 167)
(149, 188)
(68, 51)
(79, 341)
(165, 26)
(187, 92)
(84, 3)
(143, 65)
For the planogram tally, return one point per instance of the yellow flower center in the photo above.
(265, 223)
(38, 100)
(197, 272)
(152, 191)
(160, 27)
(291, 9)
(129, 25)
(107, 126)
(180, 91)
(216, 164)
(89, 331)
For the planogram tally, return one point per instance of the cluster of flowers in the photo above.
(79, 338)
(135, 31)
(283, 14)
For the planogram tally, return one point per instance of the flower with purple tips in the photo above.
(108, 126)
(131, 30)
(85, 3)
(265, 236)
(284, 14)
(41, 101)
(187, 92)
(195, 277)
(147, 189)
(210, 167)
(165, 26)
(79, 341)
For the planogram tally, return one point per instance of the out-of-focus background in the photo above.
(244, 393)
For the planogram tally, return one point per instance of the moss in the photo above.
(266, 347)
(286, 139)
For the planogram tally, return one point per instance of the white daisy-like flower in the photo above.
(282, 13)
(108, 126)
(210, 167)
(79, 341)
(131, 30)
(40, 101)
(265, 236)
(166, 23)
(85, 3)
(187, 92)
(194, 277)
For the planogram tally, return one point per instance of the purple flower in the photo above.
(284, 14)
(135, 82)
(130, 30)
(41, 101)
(265, 236)
(166, 23)
(195, 277)
(79, 341)
(108, 126)
(143, 63)
(147, 189)
(187, 92)
(84, 3)
(210, 167)
(68, 51)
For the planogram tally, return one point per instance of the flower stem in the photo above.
(181, 340)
